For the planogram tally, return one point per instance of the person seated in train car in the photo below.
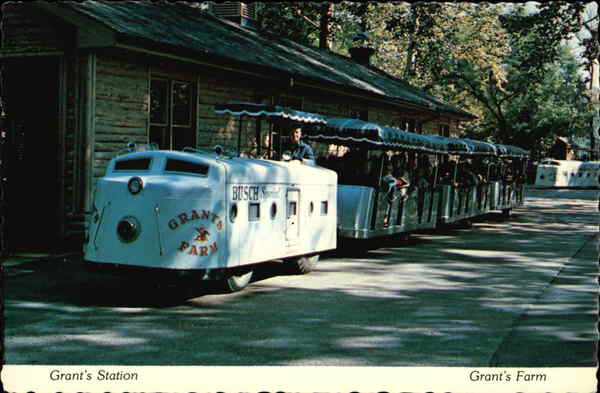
(480, 169)
(408, 172)
(295, 149)
(392, 187)
(401, 173)
(467, 176)
(390, 183)
(424, 174)
(446, 174)
(495, 172)
(508, 175)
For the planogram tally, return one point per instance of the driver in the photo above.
(298, 150)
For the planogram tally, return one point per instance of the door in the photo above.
(31, 102)
(292, 225)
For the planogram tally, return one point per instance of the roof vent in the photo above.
(244, 14)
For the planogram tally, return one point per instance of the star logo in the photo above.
(202, 235)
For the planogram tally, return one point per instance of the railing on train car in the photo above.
(357, 135)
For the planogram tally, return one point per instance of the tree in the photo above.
(504, 63)
(298, 21)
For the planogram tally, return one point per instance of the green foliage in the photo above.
(293, 20)
(507, 64)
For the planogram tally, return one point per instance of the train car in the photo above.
(552, 173)
(509, 187)
(370, 206)
(213, 216)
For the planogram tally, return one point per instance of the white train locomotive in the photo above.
(195, 212)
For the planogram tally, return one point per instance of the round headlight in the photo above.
(128, 229)
(135, 185)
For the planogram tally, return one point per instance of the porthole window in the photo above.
(273, 210)
(233, 211)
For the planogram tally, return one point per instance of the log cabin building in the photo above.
(82, 79)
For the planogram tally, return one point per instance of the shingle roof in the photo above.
(182, 27)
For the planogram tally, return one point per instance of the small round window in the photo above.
(273, 210)
(233, 212)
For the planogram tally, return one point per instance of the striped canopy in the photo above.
(353, 131)
(455, 145)
(268, 111)
(481, 148)
(509, 151)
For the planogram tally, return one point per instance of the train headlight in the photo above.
(128, 229)
(135, 185)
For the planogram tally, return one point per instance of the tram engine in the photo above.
(195, 212)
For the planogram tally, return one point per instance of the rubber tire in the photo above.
(465, 224)
(305, 264)
(506, 213)
(239, 282)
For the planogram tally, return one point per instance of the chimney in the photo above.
(361, 52)
(244, 14)
(362, 55)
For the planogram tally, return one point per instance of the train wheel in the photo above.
(305, 264)
(238, 282)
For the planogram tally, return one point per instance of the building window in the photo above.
(172, 114)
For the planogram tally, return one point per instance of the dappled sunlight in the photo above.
(46, 306)
(93, 337)
(369, 342)
(500, 293)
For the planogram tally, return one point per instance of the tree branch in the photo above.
(299, 13)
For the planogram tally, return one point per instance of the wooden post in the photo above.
(239, 141)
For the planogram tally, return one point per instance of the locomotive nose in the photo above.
(128, 229)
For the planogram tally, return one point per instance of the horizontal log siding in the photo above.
(122, 103)
(218, 129)
(26, 31)
(73, 218)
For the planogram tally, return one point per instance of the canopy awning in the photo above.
(509, 151)
(268, 111)
(481, 148)
(455, 145)
(347, 131)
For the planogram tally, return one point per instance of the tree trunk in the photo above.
(409, 67)
(326, 34)
(595, 99)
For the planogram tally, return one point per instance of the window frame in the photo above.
(167, 129)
